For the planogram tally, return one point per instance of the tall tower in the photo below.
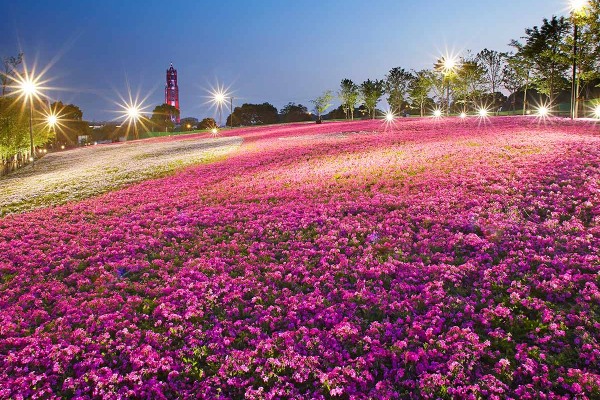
(172, 90)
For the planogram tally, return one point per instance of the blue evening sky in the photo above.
(265, 50)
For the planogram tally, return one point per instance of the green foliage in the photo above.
(397, 84)
(419, 89)
(294, 113)
(349, 96)
(469, 83)
(492, 62)
(371, 92)
(207, 123)
(14, 128)
(163, 116)
(546, 51)
(253, 114)
(71, 124)
(188, 124)
(323, 102)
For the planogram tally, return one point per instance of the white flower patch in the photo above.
(77, 174)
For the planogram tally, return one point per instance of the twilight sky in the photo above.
(265, 50)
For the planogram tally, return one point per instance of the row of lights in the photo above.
(542, 112)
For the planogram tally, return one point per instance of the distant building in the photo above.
(172, 90)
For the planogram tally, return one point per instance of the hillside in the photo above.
(422, 259)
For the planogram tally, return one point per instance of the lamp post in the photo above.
(220, 99)
(52, 120)
(133, 116)
(577, 8)
(29, 89)
(447, 66)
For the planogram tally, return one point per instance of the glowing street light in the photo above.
(214, 131)
(543, 112)
(51, 121)
(578, 9)
(447, 65)
(389, 116)
(437, 113)
(463, 115)
(28, 88)
(597, 111)
(219, 98)
(483, 112)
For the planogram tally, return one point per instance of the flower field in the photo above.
(77, 174)
(426, 259)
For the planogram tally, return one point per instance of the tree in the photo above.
(446, 69)
(293, 112)
(108, 131)
(371, 92)
(469, 82)
(515, 77)
(14, 129)
(492, 62)
(322, 103)
(163, 117)
(546, 51)
(349, 96)
(588, 49)
(420, 88)
(253, 114)
(10, 67)
(71, 124)
(207, 124)
(397, 83)
(188, 124)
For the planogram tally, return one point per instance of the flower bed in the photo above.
(430, 259)
(78, 174)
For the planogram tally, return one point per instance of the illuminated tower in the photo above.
(172, 90)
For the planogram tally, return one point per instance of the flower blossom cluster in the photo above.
(85, 172)
(432, 259)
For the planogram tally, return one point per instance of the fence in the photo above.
(13, 163)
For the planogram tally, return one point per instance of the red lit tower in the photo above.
(172, 90)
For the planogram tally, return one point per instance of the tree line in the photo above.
(537, 71)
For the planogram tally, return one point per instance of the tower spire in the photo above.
(172, 91)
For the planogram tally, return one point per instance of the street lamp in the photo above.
(578, 8)
(133, 116)
(52, 121)
(28, 88)
(220, 98)
(543, 111)
(448, 65)
(483, 112)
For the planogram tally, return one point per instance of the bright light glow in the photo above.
(483, 112)
(449, 64)
(543, 111)
(133, 112)
(463, 115)
(578, 6)
(52, 120)
(62, 147)
(437, 113)
(28, 87)
(219, 97)
(214, 131)
(597, 111)
(389, 116)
